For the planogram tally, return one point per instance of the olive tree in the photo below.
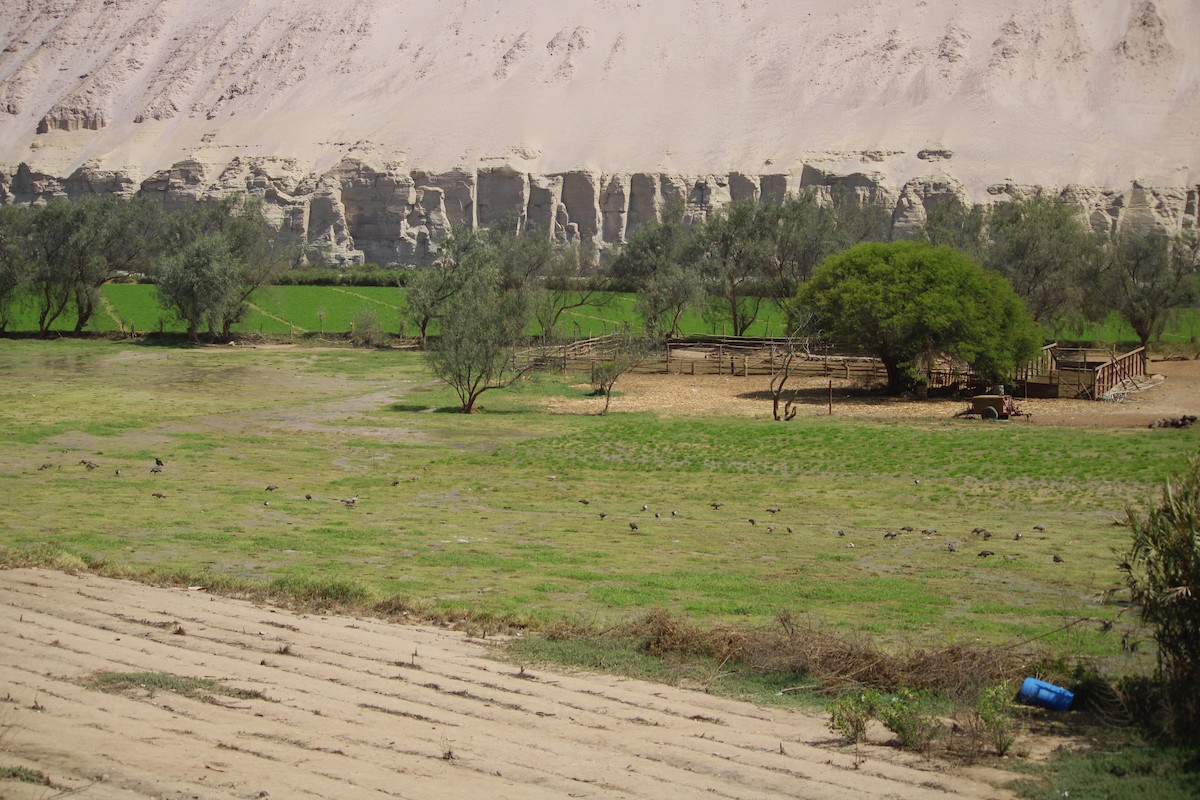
(1146, 274)
(734, 251)
(656, 264)
(909, 303)
(482, 323)
(1042, 246)
(15, 256)
(199, 284)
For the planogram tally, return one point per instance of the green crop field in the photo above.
(332, 309)
(486, 512)
(276, 309)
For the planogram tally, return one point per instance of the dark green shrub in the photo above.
(1162, 570)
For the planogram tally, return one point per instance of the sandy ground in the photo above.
(362, 708)
(1176, 394)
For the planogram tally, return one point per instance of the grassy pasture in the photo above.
(484, 512)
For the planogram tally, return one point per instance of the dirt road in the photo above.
(361, 708)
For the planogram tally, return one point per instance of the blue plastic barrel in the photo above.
(1046, 695)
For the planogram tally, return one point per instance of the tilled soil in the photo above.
(362, 708)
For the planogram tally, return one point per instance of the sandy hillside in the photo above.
(1096, 92)
(346, 714)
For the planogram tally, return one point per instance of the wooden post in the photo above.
(720, 358)
(831, 397)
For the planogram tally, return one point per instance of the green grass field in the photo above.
(276, 309)
(484, 513)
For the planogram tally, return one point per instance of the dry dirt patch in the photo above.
(725, 395)
(361, 708)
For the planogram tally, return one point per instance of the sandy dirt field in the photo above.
(1177, 392)
(361, 708)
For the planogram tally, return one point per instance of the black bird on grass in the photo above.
(155, 470)
(633, 526)
(773, 510)
(158, 462)
(985, 553)
(586, 502)
(716, 506)
(950, 547)
(1057, 559)
(891, 534)
(272, 488)
(603, 515)
(1040, 528)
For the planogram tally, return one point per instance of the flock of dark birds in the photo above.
(159, 465)
(983, 534)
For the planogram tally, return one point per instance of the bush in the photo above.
(996, 708)
(904, 715)
(849, 715)
(366, 330)
(1162, 570)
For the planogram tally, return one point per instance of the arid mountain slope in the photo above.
(1093, 93)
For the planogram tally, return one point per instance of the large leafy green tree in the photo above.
(258, 253)
(909, 303)
(1146, 274)
(200, 283)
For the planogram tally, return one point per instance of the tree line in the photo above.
(206, 260)
(487, 285)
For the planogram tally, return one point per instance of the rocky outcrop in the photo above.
(388, 214)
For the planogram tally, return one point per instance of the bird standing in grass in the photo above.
(350, 501)
(158, 462)
(633, 526)
(1057, 559)
(950, 547)
(272, 488)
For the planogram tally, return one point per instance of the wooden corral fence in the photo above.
(724, 355)
(1087, 373)
(1056, 372)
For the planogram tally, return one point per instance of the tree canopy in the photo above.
(909, 303)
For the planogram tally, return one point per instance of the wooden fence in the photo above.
(1054, 373)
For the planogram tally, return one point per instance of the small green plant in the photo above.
(904, 715)
(849, 715)
(996, 708)
(23, 774)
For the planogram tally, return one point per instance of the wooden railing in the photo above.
(1118, 369)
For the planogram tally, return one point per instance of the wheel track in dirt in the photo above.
(349, 715)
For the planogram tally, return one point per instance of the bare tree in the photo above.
(629, 352)
(796, 345)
